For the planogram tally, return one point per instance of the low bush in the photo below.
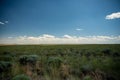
(87, 78)
(31, 59)
(5, 66)
(5, 70)
(86, 68)
(53, 66)
(106, 51)
(6, 58)
(54, 61)
(21, 77)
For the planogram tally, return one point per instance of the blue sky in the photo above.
(58, 18)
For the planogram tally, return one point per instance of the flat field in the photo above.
(60, 62)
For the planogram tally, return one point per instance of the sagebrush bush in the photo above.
(53, 66)
(106, 51)
(6, 58)
(8, 53)
(87, 78)
(31, 59)
(54, 62)
(86, 68)
(21, 77)
(5, 70)
(5, 66)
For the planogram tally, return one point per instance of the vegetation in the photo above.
(60, 62)
(5, 70)
(21, 77)
(28, 59)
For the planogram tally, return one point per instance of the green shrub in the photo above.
(5, 70)
(116, 54)
(53, 66)
(21, 77)
(5, 58)
(31, 59)
(8, 54)
(106, 52)
(87, 68)
(87, 78)
(54, 61)
(5, 66)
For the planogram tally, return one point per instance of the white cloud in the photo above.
(66, 39)
(67, 36)
(2, 23)
(10, 37)
(48, 36)
(78, 29)
(113, 16)
(6, 21)
(21, 37)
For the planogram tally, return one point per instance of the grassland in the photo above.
(60, 62)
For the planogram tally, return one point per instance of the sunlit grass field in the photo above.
(60, 62)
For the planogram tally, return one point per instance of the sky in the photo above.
(59, 21)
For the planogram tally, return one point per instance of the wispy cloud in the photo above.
(10, 37)
(65, 39)
(78, 29)
(2, 23)
(6, 22)
(67, 36)
(113, 16)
